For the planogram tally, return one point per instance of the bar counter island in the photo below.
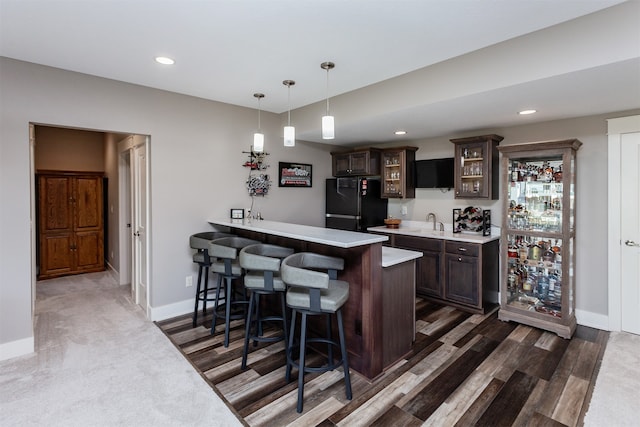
(379, 316)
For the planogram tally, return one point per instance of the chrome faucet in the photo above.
(432, 216)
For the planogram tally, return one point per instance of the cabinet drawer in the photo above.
(420, 243)
(468, 249)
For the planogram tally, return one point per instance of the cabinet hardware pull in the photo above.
(631, 243)
(459, 259)
(462, 249)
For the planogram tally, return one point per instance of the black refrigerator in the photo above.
(354, 204)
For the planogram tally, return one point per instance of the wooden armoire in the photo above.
(70, 223)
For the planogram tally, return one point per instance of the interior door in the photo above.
(140, 227)
(630, 232)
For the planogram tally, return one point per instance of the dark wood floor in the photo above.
(464, 370)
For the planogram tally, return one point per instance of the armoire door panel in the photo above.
(89, 252)
(56, 254)
(88, 200)
(55, 197)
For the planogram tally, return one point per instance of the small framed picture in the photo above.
(237, 213)
(294, 175)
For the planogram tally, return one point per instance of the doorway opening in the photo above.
(122, 158)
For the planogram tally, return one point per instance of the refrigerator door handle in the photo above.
(343, 216)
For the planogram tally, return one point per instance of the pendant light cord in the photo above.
(328, 91)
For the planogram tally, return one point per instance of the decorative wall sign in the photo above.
(294, 175)
(258, 183)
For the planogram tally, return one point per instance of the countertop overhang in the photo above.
(321, 235)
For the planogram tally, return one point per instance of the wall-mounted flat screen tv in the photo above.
(434, 173)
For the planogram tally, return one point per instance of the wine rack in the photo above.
(538, 235)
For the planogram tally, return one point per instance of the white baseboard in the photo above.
(171, 310)
(592, 320)
(17, 348)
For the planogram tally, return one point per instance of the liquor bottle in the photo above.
(548, 172)
(543, 285)
(522, 250)
(512, 249)
(557, 176)
(548, 255)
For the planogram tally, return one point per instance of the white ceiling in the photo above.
(226, 50)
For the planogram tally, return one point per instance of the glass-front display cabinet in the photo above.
(398, 172)
(538, 235)
(476, 167)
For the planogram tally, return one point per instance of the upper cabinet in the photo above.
(476, 167)
(398, 172)
(360, 162)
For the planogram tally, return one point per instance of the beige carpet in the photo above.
(616, 397)
(99, 362)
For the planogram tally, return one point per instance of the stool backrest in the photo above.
(228, 247)
(301, 270)
(201, 241)
(263, 257)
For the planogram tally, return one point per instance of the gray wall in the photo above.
(195, 173)
(196, 153)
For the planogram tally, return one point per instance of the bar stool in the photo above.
(225, 251)
(200, 242)
(261, 264)
(313, 292)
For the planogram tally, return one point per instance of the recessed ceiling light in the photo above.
(525, 112)
(400, 132)
(165, 60)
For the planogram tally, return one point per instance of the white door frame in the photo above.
(127, 204)
(616, 127)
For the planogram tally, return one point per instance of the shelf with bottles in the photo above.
(535, 193)
(538, 235)
(534, 275)
(476, 167)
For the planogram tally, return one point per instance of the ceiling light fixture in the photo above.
(164, 60)
(258, 137)
(525, 112)
(328, 128)
(289, 131)
(400, 132)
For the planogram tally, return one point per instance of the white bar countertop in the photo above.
(394, 256)
(425, 229)
(307, 233)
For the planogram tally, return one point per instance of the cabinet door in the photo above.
(88, 250)
(429, 266)
(428, 274)
(88, 203)
(56, 254)
(359, 163)
(55, 204)
(461, 283)
(341, 164)
(476, 167)
(393, 174)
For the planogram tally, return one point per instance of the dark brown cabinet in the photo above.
(462, 274)
(398, 173)
(70, 224)
(361, 162)
(428, 267)
(476, 167)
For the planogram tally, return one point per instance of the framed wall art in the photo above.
(294, 174)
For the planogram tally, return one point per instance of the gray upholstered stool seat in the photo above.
(261, 264)
(227, 266)
(314, 292)
(200, 242)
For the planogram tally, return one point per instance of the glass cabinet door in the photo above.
(472, 170)
(392, 162)
(538, 236)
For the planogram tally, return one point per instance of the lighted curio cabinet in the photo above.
(538, 235)
(398, 172)
(358, 162)
(476, 167)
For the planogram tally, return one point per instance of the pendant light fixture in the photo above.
(289, 131)
(258, 137)
(328, 131)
